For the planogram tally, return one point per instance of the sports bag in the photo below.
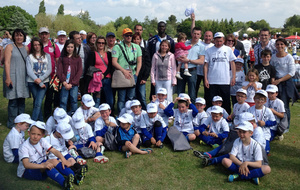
(282, 125)
(178, 140)
(110, 141)
(86, 152)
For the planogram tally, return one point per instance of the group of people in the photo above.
(260, 98)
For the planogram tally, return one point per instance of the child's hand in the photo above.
(161, 106)
(229, 118)
(153, 141)
(205, 133)
(213, 135)
(244, 169)
(158, 143)
(154, 98)
(93, 145)
(197, 132)
(153, 83)
(107, 122)
(72, 146)
(48, 165)
(261, 123)
(65, 163)
(70, 143)
(188, 100)
(176, 100)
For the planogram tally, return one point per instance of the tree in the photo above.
(19, 21)
(293, 21)
(261, 24)
(109, 27)
(61, 10)
(42, 8)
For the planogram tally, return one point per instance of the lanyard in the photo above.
(238, 109)
(244, 152)
(41, 154)
(261, 114)
(270, 104)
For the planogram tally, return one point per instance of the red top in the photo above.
(100, 65)
(181, 45)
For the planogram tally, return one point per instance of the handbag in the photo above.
(120, 81)
(91, 70)
(55, 83)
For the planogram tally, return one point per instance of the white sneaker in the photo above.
(101, 159)
(178, 76)
(280, 138)
(187, 73)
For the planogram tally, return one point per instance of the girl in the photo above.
(90, 40)
(38, 65)
(251, 85)
(69, 70)
(182, 50)
(163, 69)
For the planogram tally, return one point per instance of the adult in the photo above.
(102, 60)
(285, 69)
(90, 41)
(61, 39)
(140, 88)
(14, 76)
(154, 44)
(83, 35)
(38, 66)
(239, 45)
(264, 43)
(231, 41)
(138, 29)
(219, 62)
(111, 40)
(133, 54)
(247, 45)
(7, 39)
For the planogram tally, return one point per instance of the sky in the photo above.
(275, 12)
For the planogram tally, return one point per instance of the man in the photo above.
(264, 43)
(247, 45)
(62, 38)
(111, 39)
(219, 59)
(83, 35)
(239, 45)
(127, 57)
(139, 29)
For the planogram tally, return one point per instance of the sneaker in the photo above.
(80, 175)
(178, 76)
(231, 178)
(187, 73)
(101, 159)
(256, 180)
(206, 161)
(200, 154)
(215, 146)
(68, 182)
(280, 138)
(202, 142)
(161, 145)
(81, 161)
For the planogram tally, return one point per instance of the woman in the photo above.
(14, 76)
(38, 66)
(101, 59)
(91, 39)
(231, 42)
(285, 69)
(140, 88)
(163, 69)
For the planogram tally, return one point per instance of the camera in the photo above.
(132, 62)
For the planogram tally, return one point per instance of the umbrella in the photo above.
(293, 38)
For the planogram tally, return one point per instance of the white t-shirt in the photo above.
(259, 136)
(124, 110)
(217, 127)
(60, 46)
(138, 121)
(225, 114)
(87, 113)
(278, 106)
(51, 124)
(283, 66)
(184, 121)
(35, 153)
(200, 67)
(247, 46)
(99, 124)
(237, 110)
(12, 141)
(200, 118)
(84, 133)
(57, 143)
(251, 91)
(250, 153)
(239, 79)
(218, 60)
(150, 122)
(161, 111)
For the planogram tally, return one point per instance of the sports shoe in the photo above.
(256, 180)
(187, 73)
(161, 145)
(206, 161)
(215, 146)
(80, 175)
(101, 159)
(73, 153)
(200, 154)
(202, 142)
(81, 161)
(68, 182)
(178, 76)
(231, 178)
(280, 138)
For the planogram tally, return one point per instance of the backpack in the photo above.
(110, 140)
(178, 140)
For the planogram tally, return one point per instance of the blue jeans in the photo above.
(140, 91)
(38, 94)
(108, 92)
(125, 94)
(191, 81)
(64, 96)
(15, 107)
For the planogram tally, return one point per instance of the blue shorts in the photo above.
(35, 174)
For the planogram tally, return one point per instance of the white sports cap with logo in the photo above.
(184, 96)
(151, 108)
(241, 90)
(82, 32)
(78, 120)
(23, 117)
(200, 101)
(88, 100)
(246, 116)
(263, 92)
(104, 107)
(65, 130)
(126, 118)
(38, 124)
(219, 35)
(216, 109)
(272, 88)
(135, 103)
(162, 91)
(217, 98)
(245, 126)
(60, 115)
(239, 60)
(61, 33)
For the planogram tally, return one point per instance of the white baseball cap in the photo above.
(82, 32)
(263, 92)
(245, 116)
(296, 57)
(104, 106)
(272, 88)
(128, 105)
(135, 103)
(61, 33)
(241, 90)
(216, 109)
(245, 126)
(184, 96)
(151, 108)
(78, 120)
(88, 100)
(43, 29)
(23, 117)
(217, 98)
(219, 35)
(240, 60)
(38, 124)
(245, 35)
(236, 34)
(200, 100)
(65, 130)
(60, 115)
(126, 118)
(162, 91)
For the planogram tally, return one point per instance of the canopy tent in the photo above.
(293, 38)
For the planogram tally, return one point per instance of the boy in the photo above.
(127, 137)
(266, 72)
(239, 79)
(276, 106)
(155, 130)
(15, 138)
(263, 115)
(246, 156)
(215, 128)
(34, 164)
(160, 99)
(217, 101)
(201, 117)
(138, 115)
(126, 109)
(59, 115)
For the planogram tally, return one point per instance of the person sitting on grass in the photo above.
(59, 115)
(246, 157)
(200, 104)
(126, 109)
(160, 99)
(217, 101)
(16, 138)
(128, 140)
(138, 115)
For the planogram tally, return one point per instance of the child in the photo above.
(128, 139)
(182, 50)
(138, 115)
(15, 138)
(263, 116)
(183, 115)
(246, 156)
(239, 79)
(126, 109)
(266, 72)
(217, 101)
(155, 129)
(251, 85)
(87, 138)
(34, 164)
(160, 99)
(59, 115)
(201, 117)
(215, 128)
(69, 71)
(276, 106)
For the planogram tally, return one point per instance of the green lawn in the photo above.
(165, 169)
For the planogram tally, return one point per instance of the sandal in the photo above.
(127, 154)
(149, 150)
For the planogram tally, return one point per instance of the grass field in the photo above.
(165, 169)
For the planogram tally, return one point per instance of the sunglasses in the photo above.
(129, 35)
(230, 40)
(100, 42)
